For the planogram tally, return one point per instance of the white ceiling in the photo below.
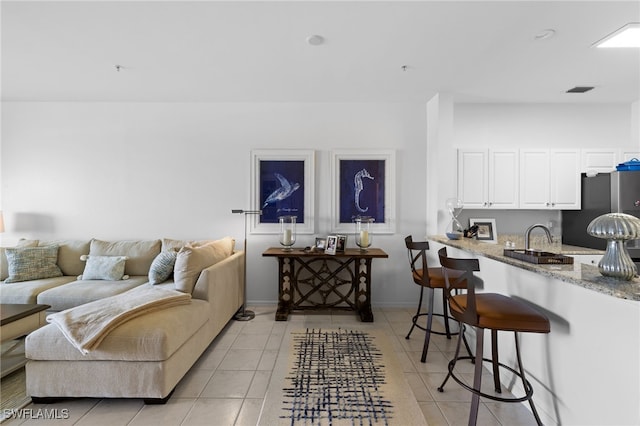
(215, 51)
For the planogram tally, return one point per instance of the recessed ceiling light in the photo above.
(315, 40)
(627, 36)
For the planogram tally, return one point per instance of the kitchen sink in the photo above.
(538, 256)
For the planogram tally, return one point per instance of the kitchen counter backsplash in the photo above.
(584, 275)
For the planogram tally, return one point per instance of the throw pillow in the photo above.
(32, 263)
(109, 268)
(192, 260)
(4, 268)
(162, 267)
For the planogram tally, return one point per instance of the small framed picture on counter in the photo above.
(486, 229)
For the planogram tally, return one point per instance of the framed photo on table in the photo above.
(486, 229)
(332, 244)
(363, 185)
(282, 184)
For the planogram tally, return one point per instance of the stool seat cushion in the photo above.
(499, 312)
(436, 278)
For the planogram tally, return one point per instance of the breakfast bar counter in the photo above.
(586, 371)
(583, 275)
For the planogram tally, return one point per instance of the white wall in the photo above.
(153, 170)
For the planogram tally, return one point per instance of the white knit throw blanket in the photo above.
(85, 326)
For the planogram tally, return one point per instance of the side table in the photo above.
(17, 320)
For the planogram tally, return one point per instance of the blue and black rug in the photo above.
(340, 377)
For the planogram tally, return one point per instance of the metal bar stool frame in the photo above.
(469, 315)
(417, 253)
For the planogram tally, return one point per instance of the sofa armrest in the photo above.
(222, 280)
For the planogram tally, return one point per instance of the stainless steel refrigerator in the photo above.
(602, 194)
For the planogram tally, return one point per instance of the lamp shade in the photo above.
(615, 226)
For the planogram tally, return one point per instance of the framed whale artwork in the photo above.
(282, 184)
(363, 185)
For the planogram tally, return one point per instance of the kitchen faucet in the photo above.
(527, 234)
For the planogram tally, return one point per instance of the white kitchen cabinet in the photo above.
(599, 160)
(488, 178)
(550, 179)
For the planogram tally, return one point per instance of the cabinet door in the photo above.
(565, 179)
(534, 179)
(599, 160)
(472, 178)
(503, 179)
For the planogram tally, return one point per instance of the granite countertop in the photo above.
(584, 275)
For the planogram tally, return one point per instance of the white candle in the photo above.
(364, 238)
(286, 237)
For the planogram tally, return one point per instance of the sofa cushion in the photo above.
(109, 268)
(69, 253)
(192, 260)
(154, 336)
(169, 244)
(141, 253)
(79, 292)
(4, 265)
(162, 267)
(32, 263)
(28, 291)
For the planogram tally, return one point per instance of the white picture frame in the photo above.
(297, 193)
(346, 201)
(487, 230)
(332, 244)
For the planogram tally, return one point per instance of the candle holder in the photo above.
(363, 232)
(287, 232)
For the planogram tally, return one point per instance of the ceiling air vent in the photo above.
(580, 89)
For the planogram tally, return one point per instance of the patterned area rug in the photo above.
(339, 377)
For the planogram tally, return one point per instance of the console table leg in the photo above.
(363, 290)
(285, 272)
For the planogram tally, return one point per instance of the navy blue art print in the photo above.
(361, 189)
(281, 190)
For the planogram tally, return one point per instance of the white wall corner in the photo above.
(635, 124)
(441, 162)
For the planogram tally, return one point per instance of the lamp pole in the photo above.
(245, 315)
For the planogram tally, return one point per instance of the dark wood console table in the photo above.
(308, 280)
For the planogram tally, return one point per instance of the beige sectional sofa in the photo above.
(147, 356)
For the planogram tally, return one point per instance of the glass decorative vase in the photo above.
(454, 229)
(287, 232)
(363, 232)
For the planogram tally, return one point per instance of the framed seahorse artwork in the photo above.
(363, 185)
(282, 184)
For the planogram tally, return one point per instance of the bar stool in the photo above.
(417, 252)
(494, 312)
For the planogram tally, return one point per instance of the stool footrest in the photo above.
(441, 333)
(528, 387)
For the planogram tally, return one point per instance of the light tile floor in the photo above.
(227, 385)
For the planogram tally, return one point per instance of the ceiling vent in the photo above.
(580, 89)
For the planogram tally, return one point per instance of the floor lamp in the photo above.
(245, 315)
